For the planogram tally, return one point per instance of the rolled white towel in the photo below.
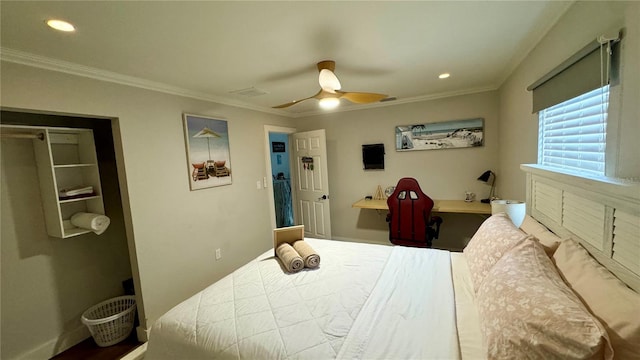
(309, 256)
(94, 222)
(290, 258)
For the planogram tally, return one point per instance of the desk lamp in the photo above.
(486, 177)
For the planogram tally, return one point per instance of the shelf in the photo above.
(66, 158)
(75, 232)
(65, 201)
(442, 206)
(72, 166)
(371, 204)
(70, 230)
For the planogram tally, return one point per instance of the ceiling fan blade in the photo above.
(286, 105)
(328, 80)
(361, 97)
(330, 88)
(282, 106)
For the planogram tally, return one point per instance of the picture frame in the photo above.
(207, 148)
(440, 135)
(278, 146)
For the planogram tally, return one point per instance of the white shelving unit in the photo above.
(66, 158)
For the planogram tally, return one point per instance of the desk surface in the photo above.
(443, 206)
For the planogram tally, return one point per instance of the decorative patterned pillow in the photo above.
(495, 237)
(608, 298)
(528, 312)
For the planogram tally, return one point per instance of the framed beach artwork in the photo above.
(207, 142)
(440, 135)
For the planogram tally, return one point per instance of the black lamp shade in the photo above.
(485, 176)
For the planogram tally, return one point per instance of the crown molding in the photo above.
(400, 101)
(42, 62)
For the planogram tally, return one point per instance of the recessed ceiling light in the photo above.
(444, 76)
(60, 25)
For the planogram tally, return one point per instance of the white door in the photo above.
(311, 183)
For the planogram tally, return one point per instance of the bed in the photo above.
(532, 292)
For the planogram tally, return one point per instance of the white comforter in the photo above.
(365, 301)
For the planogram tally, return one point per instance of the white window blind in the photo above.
(572, 134)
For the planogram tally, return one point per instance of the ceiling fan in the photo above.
(330, 94)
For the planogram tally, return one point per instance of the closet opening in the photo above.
(48, 282)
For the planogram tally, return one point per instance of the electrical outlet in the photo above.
(218, 254)
(258, 184)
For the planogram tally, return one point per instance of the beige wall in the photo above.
(581, 24)
(442, 174)
(176, 231)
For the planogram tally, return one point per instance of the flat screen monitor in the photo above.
(373, 156)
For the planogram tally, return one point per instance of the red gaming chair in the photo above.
(409, 218)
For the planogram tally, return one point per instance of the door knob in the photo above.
(323, 197)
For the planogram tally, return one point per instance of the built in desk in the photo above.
(442, 206)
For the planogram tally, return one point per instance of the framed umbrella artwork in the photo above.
(207, 142)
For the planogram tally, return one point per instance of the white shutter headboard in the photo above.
(603, 215)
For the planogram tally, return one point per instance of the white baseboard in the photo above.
(56, 346)
(137, 353)
(142, 333)
(386, 242)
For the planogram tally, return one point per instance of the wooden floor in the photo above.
(89, 350)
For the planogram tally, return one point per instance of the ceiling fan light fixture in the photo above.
(328, 81)
(330, 93)
(329, 103)
(60, 25)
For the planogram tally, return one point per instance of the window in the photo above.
(573, 106)
(572, 134)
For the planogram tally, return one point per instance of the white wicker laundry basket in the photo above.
(111, 321)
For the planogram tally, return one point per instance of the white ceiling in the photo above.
(208, 49)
